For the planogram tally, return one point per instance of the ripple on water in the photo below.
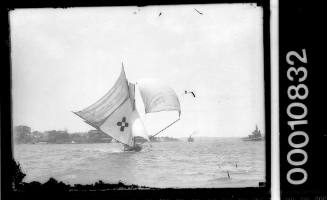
(170, 164)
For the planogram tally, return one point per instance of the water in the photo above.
(203, 163)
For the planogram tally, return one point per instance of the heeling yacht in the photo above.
(115, 113)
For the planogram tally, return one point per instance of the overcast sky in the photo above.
(65, 59)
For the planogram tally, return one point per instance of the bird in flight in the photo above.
(198, 11)
(186, 92)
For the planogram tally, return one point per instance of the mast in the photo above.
(134, 99)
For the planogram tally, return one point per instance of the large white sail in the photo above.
(112, 113)
(157, 96)
(96, 113)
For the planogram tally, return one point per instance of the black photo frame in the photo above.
(9, 173)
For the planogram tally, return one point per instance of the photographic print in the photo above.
(169, 96)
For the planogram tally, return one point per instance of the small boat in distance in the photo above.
(190, 138)
(255, 136)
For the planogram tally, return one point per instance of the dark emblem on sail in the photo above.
(122, 124)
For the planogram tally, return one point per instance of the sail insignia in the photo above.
(119, 124)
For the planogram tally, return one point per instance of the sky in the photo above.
(64, 60)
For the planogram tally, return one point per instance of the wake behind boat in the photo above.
(115, 113)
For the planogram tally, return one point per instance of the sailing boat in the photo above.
(116, 115)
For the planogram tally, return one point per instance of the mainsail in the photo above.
(96, 113)
(112, 113)
(116, 115)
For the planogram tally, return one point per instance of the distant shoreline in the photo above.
(23, 135)
(92, 142)
(158, 140)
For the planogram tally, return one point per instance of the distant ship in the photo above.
(255, 136)
(190, 139)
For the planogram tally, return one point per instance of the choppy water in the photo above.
(203, 163)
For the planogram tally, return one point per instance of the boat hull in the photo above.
(252, 139)
(135, 148)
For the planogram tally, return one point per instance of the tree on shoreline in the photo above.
(23, 135)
